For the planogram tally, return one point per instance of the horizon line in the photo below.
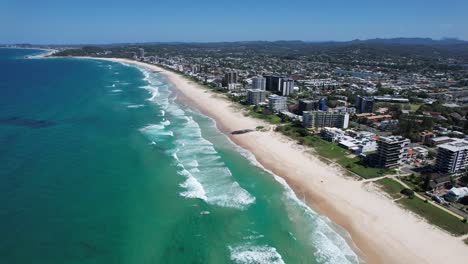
(231, 41)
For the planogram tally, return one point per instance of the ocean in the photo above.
(100, 164)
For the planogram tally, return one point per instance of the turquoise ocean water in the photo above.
(99, 164)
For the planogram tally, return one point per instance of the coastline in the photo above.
(47, 52)
(382, 231)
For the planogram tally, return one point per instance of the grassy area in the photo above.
(392, 187)
(271, 118)
(343, 157)
(415, 107)
(435, 215)
(332, 151)
(415, 182)
(428, 211)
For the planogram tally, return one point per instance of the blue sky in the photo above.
(106, 21)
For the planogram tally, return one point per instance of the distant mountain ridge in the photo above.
(412, 41)
(389, 41)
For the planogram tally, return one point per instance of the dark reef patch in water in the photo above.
(26, 122)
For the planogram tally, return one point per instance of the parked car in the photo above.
(438, 199)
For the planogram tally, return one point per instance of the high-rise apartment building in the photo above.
(391, 151)
(452, 157)
(255, 96)
(277, 103)
(364, 104)
(320, 119)
(259, 83)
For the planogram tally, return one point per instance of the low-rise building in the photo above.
(456, 194)
(332, 134)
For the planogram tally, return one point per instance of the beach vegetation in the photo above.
(331, 151)
(435, 215)
(261, 113)
(408, 192)
(391, 187)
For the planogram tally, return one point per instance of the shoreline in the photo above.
(382, 231)
(47, 52)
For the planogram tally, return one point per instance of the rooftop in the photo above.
(392, 139)
(457, 145)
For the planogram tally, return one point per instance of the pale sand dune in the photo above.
(382, 231)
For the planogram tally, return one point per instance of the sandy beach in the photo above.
(383, 232)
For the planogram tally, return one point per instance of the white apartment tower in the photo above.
(320, 119)
(277, 103)
(259, 83)
(452, 157)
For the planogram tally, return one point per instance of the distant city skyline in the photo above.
(104, 22)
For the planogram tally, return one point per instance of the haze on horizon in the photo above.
(102, 22)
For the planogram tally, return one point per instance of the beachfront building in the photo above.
(230, 79)
(277, 103)
(278, 84)
(141, 53)
(287, 86)
(332, 134)
(272, 83)
(321, 119)
(259, 83)
(391, 151)
(452, 157)
(255, 96)
(364, 104)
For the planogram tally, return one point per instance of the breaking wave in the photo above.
(206, 177)
(250, 254)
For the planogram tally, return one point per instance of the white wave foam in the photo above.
(135, 106)
(248, 254)
(194, 189)
(207, 177)
(125, 64)
(116, 91)
(153, 131)
(154, 91)
(193, 163)
(330, 246)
